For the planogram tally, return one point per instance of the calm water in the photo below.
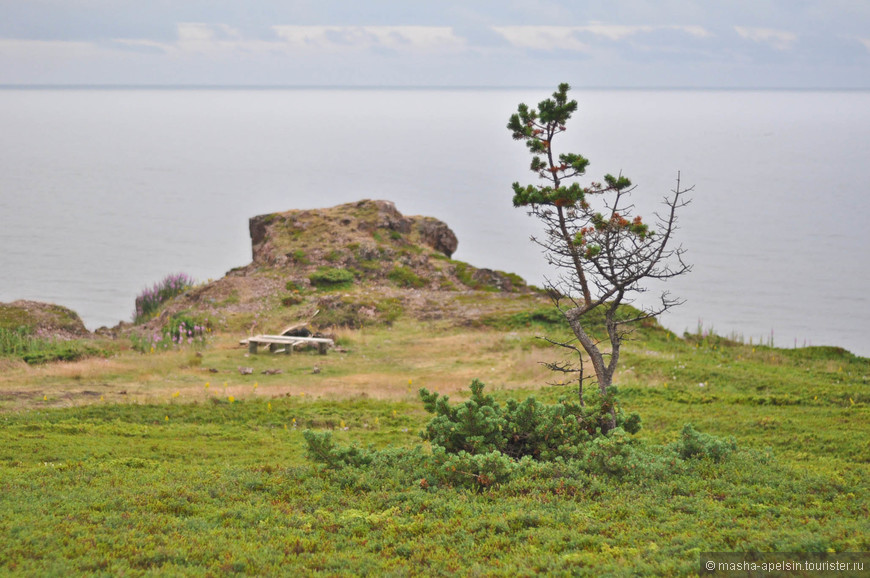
(103, 192)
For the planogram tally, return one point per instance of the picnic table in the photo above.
(288, 341)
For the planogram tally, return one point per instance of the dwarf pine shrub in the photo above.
(321, 448)
(694, 444)
(519, 429)
(479, 444)
(476, 471)
(618, 455)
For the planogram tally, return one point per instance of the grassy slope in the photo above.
(132, 465)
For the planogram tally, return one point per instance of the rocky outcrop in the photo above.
(278, 238)
(42, 319)
(437, 235)
(375, 242)
(431, 232)
(356, 263)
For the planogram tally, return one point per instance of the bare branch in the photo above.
(603, 252)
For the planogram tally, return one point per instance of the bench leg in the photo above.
(321, 348)
(288, 349)
(252, 347)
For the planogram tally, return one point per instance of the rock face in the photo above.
(344, 224)
(373, 242)
(437, 235)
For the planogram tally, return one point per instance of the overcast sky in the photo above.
(589, 43)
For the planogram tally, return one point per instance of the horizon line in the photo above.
(107, 86)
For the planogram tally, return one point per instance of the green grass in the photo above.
(21, 344)
(208, 487)
(224, 487)
(406, 277)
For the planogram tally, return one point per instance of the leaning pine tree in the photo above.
(601, 250)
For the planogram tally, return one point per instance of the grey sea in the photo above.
(105, 191)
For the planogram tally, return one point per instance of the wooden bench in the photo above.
(289, 342)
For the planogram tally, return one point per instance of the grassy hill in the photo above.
(177, 463)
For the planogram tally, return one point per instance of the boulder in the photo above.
(437, 235)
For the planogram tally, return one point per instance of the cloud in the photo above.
(197, 32)
(576, 38)
(215, 39)
(344, 38)
(614, 31)
(46, 49)
(776, 39)
(696, 31)
(543, 37)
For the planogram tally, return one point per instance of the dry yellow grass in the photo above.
(380, 363)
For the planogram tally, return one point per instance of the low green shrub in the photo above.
(547, 317)
(694, 444)
(66, 352)
(299, 257)
(331, 278)
(479, 444)
(519, 429)
(527, 428)
(321, 448)
(464, 272)
(474, 471)
(619, 455)
(406, 277)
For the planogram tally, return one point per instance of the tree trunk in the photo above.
(603, 373)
